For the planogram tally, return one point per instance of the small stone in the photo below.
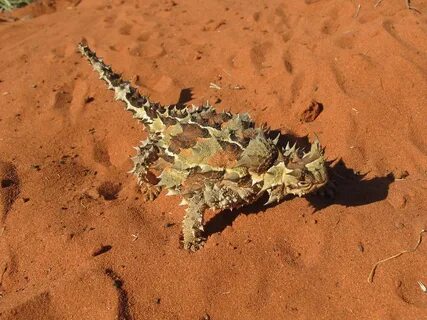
(360, 247)
(205, 317)
(36, 167)
(400, 175)
(399, 225)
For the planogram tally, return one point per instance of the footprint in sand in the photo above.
(63, 98)
(296, 86)
(330, 25)
(125, 29)
(413, 48)
(415, 129)
(280, 22)
(9, 187)
(287, 63)
(110, 20)
(389, 27)
(282, 18)
(368, 17)
(345, 41)
(339, 77)
(8, 265)
(144, 36)
(409, 292)
(70, 100)
(100, 153)
(37, 306)
(257, 55)
(71, 297)
(152, 51)
(287, 254)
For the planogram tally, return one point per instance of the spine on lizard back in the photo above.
(138, 104)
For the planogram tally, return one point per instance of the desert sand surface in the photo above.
(78, 242)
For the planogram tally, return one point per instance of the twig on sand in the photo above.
(82, 204)
(378, 3)
(371, 275)
(214, 86)
(357, 10)
(422, 286)
(410, 7)
(238, 87)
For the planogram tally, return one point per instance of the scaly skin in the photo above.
(211, 159)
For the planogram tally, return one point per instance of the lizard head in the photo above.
(306, 172)
(296, 172)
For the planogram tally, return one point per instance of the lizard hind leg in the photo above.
(148, 154)
(192, 225)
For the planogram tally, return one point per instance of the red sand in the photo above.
(68, 253)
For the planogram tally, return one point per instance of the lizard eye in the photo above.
(303, 184)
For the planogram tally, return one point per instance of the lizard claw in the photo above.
(149, 192)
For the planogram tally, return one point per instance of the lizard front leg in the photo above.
(148, 154)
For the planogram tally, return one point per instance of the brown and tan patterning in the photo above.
(212, 159)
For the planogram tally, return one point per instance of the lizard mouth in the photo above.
(309, 186)
(317, 186)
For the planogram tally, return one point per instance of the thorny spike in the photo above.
(172, 192)
(276, 140)
(270, 200)
(289, 151)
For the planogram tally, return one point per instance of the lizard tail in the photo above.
(140, 105)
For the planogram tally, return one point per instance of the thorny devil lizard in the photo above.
(212, 159)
